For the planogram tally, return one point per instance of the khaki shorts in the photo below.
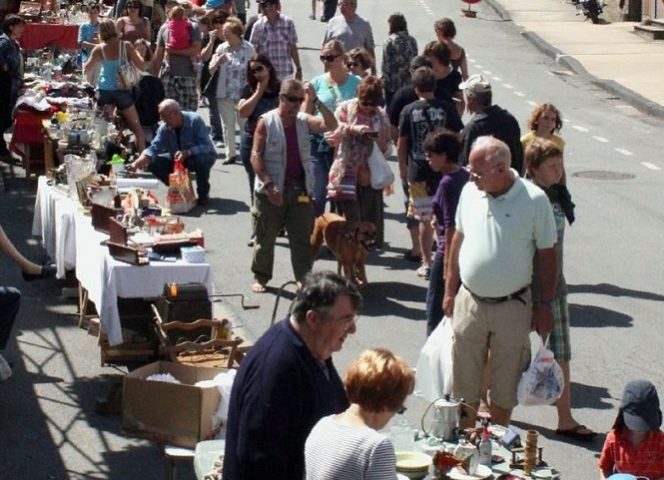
(502, 329)
(419, 202)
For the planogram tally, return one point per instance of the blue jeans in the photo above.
(435, 293)
(215, 118)
(162, 167)
(10, 300)
(321, 161)
(246, 142)
(329, 9)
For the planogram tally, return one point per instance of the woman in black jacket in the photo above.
(11, 73)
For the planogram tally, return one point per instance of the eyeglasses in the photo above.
(402, 410)
(292, 99)
(257, 69)
(474, 176)
(328, 58)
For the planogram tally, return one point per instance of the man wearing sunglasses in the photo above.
(274, 36)
(281, 160)
(351, 30)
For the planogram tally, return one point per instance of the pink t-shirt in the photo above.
(179, 36)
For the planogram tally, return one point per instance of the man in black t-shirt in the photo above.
(416, 120)
(489, 119)
(404, 96)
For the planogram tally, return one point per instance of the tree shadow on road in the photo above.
(594, 446)
(388, 298)
(614, 291)
(217, 206)
(592, 316)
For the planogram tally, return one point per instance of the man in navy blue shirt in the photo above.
(182, 136)
(288, 382)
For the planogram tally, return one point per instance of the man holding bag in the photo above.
(181, 137)
(502, 222)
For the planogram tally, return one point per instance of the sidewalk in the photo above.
(610, 55)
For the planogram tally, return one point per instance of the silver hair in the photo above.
(496, 152)
(170, 105)
(290, 85)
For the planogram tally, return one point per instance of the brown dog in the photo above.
(348, 241)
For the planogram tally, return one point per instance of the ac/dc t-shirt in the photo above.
(416, 121)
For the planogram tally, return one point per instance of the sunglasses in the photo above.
(293, 99)
(328, 58)
(402, 410)
(257, 69)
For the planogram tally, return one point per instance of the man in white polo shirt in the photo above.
(502, 222)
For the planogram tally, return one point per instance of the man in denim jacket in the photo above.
(182, 136)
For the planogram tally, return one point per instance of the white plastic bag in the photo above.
(542, 383)
(381, 173)
(433, 377)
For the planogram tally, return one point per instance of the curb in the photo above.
(631, 97)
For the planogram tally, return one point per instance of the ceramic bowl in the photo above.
(414, 465)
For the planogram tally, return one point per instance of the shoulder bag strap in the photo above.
(122, 53)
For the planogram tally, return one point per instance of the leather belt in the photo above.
(512, 296)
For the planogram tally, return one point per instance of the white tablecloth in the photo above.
(53, 220)
(106, 279)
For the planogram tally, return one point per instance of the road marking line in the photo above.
(601, 139)
(519, 94)
(579, 128)
(531, 103)
(650, 166)
(507, 85)
(487, 72)
(624, 151)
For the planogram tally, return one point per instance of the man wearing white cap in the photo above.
(488, 119)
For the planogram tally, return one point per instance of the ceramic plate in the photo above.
(413, 461)
(481, 473)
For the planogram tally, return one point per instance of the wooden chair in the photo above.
(206, 350)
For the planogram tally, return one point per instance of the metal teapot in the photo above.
(447, 413)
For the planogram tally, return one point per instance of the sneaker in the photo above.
(251, 241)
(231, 161)
(5, 369)
(424, 272)
(312, 16)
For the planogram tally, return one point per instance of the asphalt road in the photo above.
(613, 264)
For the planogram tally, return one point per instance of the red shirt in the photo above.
(647, 460)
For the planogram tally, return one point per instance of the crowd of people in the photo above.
(485, 207)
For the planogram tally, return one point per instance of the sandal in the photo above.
(575, 433)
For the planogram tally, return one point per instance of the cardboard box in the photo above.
(175, 414)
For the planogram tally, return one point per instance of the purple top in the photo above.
(445, 201)
(294, 169)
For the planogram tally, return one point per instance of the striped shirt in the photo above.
(336, 451)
